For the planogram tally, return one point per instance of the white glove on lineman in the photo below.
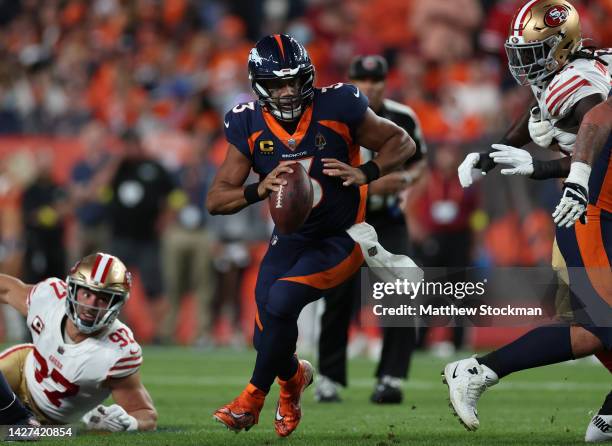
(520, 160)
(112, 418)
(467, 172)
(566, 140)
(575, 197)
(540, 130)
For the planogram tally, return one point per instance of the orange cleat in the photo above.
(288, 409)
(243, 412)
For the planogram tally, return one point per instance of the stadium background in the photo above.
(170, 69)
(76, 74)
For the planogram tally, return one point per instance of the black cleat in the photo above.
(388, 391)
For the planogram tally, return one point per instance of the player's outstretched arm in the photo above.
(14, 293)
(131, 395)
(477, 164)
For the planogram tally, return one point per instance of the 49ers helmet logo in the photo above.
(556, 16)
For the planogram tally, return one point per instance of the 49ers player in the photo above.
(81, 352)
(545, 51)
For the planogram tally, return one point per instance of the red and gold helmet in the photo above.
(100, 273)
(543, 34)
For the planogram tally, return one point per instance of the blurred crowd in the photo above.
(94, 91)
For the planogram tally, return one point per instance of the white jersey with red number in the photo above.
(66, 380)
(577, 80)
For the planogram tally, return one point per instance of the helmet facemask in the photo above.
(289, 107)
(103, 316)
(531, 63)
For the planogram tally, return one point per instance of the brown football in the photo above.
(291, 205)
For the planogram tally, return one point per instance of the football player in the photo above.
(594, 140)
(323, 129)
(544, 51)
(81, 353)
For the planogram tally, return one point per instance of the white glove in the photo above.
(466, 170)
(566, 140)
(540, 130)
(112, 418)
(520, 160)
(575, 197)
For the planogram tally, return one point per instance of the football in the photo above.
(291, 205)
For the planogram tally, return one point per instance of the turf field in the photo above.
(547, 406)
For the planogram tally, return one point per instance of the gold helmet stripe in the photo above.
(517, 27)
(101, 268)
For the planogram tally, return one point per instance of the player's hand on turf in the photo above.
(349, 174)
(272, 182)
(520, 161)
(113, 418)
(467, 170)
(572, 206)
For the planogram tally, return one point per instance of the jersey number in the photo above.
(122, 337)
(242, 107)
(331, 87)
(59, 288)
(43, 373)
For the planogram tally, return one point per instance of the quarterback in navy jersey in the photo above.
(322, 129)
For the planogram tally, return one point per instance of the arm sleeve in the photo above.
(353, 105)
(128, 362)
(235, 133)
(45, 295)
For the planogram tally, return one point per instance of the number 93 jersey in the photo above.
(326, 129)
(66, 379)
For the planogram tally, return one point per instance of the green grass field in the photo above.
(547, 406)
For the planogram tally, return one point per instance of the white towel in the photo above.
(387, 266)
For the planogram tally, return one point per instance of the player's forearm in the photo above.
(147, 419)
(593, 133)
(13, 292)
(518, 134)
(558, 168)
(396, 150)
(226, 199)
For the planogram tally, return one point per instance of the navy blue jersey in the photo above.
(600, 181)
(326, 130)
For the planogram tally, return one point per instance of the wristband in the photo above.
(251, 195)
(579, 174)
(543, 170)
(370, 170)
